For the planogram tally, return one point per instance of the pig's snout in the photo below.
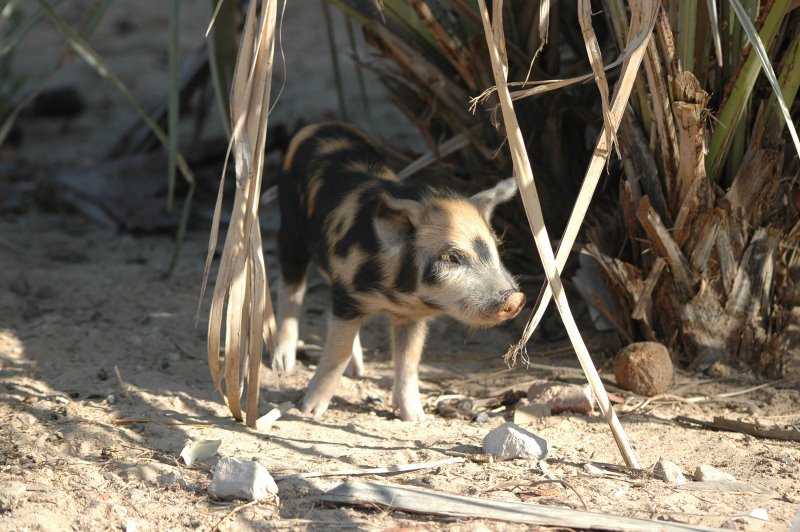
(512, 303)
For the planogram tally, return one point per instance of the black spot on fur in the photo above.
(482, 249)
(361, 231)
(390, 295)
(406, 280)
(344, 305)
(429, 274)
(369, 276)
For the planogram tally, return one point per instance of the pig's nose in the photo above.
(512, 305)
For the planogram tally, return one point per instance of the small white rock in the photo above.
(669, 472)
(195, 451)
(510, 441)
(265, 422)
(235, 478)
(593, 470)
(759, 513)
(705, 472)
(11, 494)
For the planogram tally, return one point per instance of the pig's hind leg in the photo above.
(356, 366)
(408, 338)
(338, 350)
(290, 302)
(294, 259)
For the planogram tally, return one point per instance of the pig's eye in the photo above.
(453, 257)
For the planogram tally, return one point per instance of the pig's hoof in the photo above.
(284, 363)
(355, 368)
(315, 406)
(412, 416)
(411, 412)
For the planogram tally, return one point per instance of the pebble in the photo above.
(482, 417)
(669, 472)
(236, 478)
(509, 441)
(11, 494)
(705, 472)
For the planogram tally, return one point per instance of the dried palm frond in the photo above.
(642, 22)
(242, 289)
(522, 168)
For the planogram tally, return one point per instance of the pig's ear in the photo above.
(395, 219)
(487, 200)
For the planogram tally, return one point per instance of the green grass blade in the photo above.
(731, 112)
(687, 29)
(714, 22)
(180, 236)
(222, 44)
(173, 114)
(20, 31)
(763, 57)
(789, 79)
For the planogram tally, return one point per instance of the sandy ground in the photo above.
(80, 305)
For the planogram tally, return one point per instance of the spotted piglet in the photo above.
(409, 251)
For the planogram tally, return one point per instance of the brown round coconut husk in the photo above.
(644, 368)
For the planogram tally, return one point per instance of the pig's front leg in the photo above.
(338, 349)
(408, 337)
